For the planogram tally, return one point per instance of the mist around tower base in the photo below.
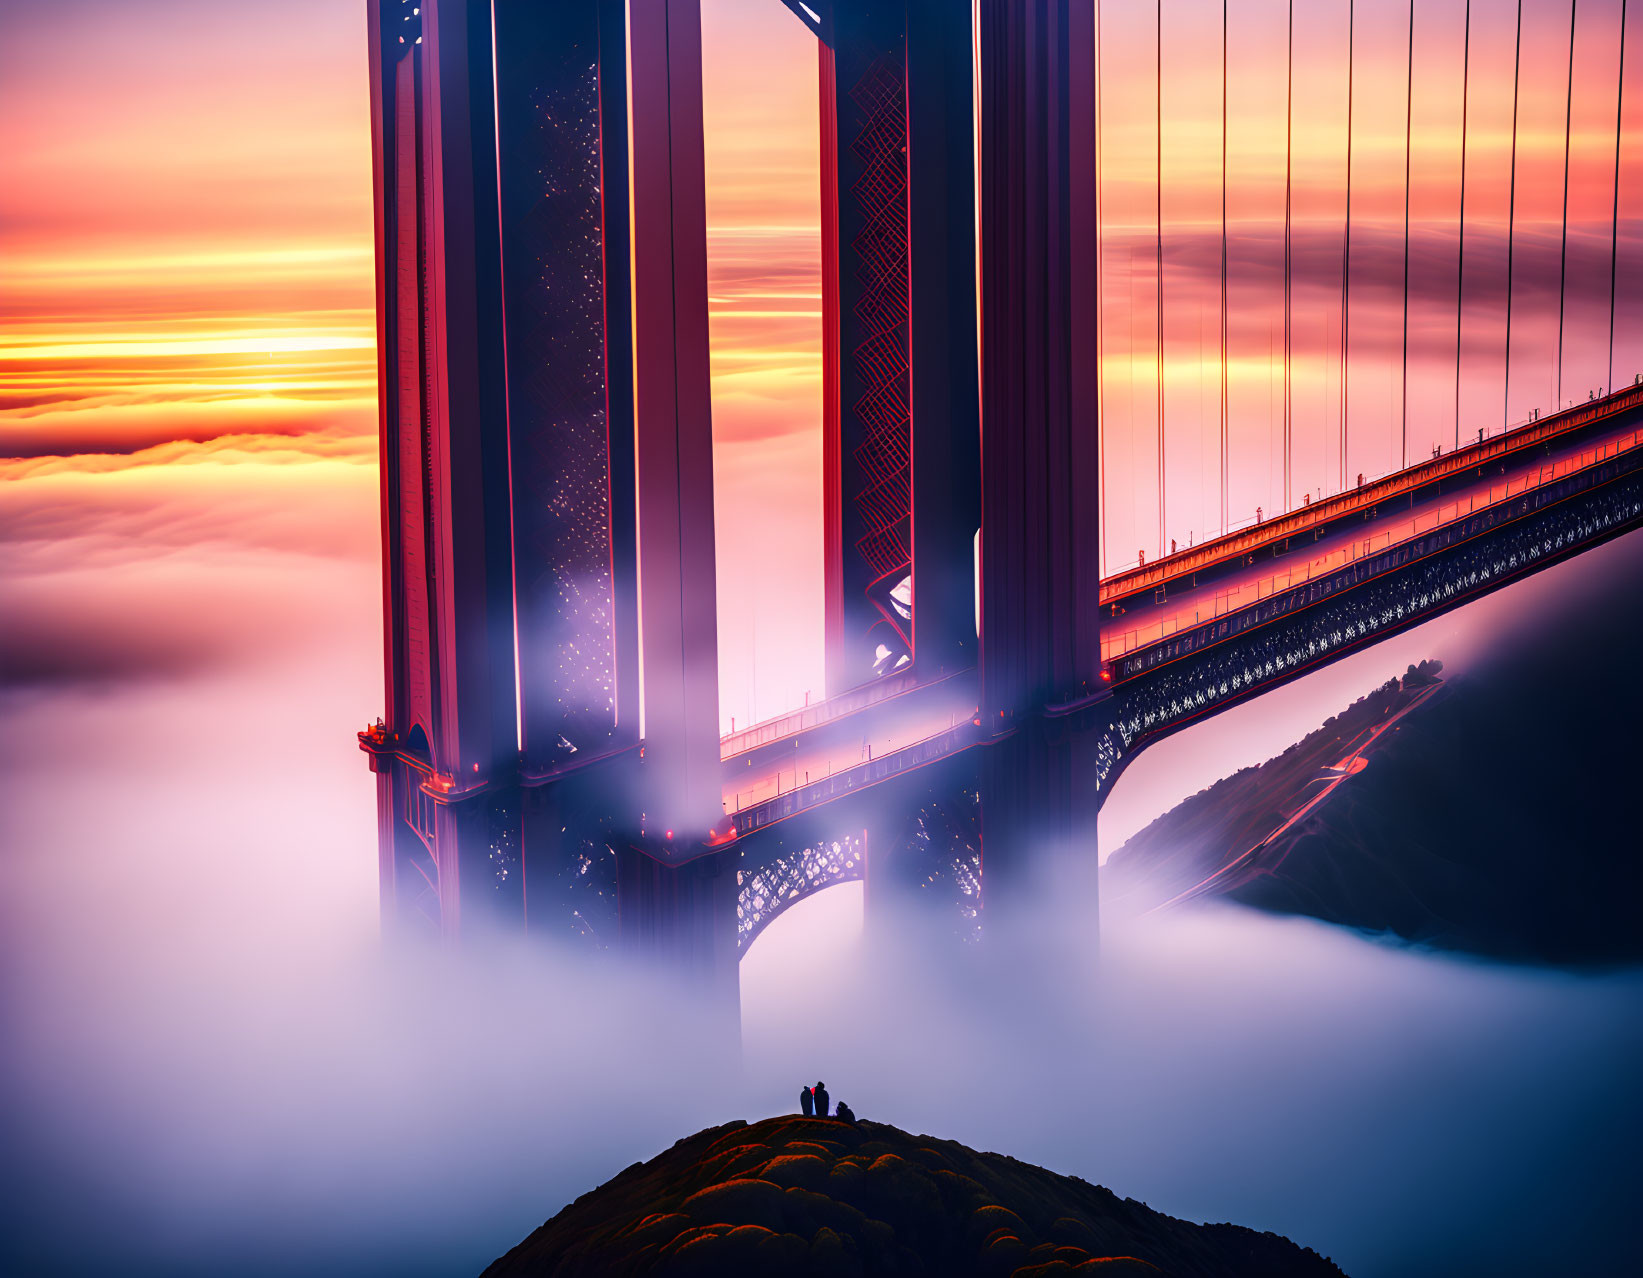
(213, 1064)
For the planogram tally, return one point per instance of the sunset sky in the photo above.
(186, 262)
(186, 277)
(185, 212)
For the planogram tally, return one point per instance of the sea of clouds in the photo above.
(213, 1064)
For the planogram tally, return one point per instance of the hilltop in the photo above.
(805, 1196)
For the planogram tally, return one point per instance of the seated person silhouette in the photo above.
(845, 1114)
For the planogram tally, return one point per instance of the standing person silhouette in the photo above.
(807, 1102)
(821, 1099)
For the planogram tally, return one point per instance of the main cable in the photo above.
(1614, 220)
(1289, 151)
(1158, 162)
(1511, 226)
(1346, 237)
(1100, 366)
(1408, 155)
(1460, 256)
(1226, 456)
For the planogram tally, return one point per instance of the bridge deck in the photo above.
(821, 713)
(754, 777)
(1391, 522)
(1261, 536)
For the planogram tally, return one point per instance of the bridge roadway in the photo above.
(874, 732)
(796, 761)
(1184, 602)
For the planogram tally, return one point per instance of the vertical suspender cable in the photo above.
(1100, 364)
(1408, 155)
(1226, 493)
(1289, 137)
(1460, 256)
(1511, 226)
(1346, 237)
(1563, 253)
(1614, 222)
(1158, 163)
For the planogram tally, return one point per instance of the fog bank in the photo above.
(213, 1066)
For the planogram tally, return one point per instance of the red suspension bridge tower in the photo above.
(549, 758)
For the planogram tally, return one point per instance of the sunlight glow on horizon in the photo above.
(135, 346)
(186, 254)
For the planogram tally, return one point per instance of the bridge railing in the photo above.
(820, 712)
(1236, 598)
(758, 813)
(1132, 579)
(1367, 575)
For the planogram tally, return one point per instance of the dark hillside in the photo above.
(807, 1196)
(1500, 813)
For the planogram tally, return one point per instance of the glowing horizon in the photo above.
(186, 255)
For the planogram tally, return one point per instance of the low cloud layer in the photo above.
(171, 562)
(214, 1065)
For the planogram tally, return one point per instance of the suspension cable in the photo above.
(1511, 226)
(1614, 220)
(1346, 238)
(1289, 146)
(1563, 251)
(1408, 155)
(1226, 490)
(1158, 167)
(1460, 257)
(1100, 363)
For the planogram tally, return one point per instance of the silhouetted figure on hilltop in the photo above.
(807, 1103)
(821, 1100)
(846, 1114)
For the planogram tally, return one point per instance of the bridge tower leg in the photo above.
(681, 918)
(1038, 822)
(946, 412)
(1040, 567)
(900, 428)
(445, 751)
(676, 893)
(547, 493)
(560, 100)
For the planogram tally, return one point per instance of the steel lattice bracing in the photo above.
(552, 212)
(902, 503)
(783, 878)
(920, 849)
(884, 502)
(865, 145)
(936, 859)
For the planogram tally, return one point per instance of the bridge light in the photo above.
(670, 834)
